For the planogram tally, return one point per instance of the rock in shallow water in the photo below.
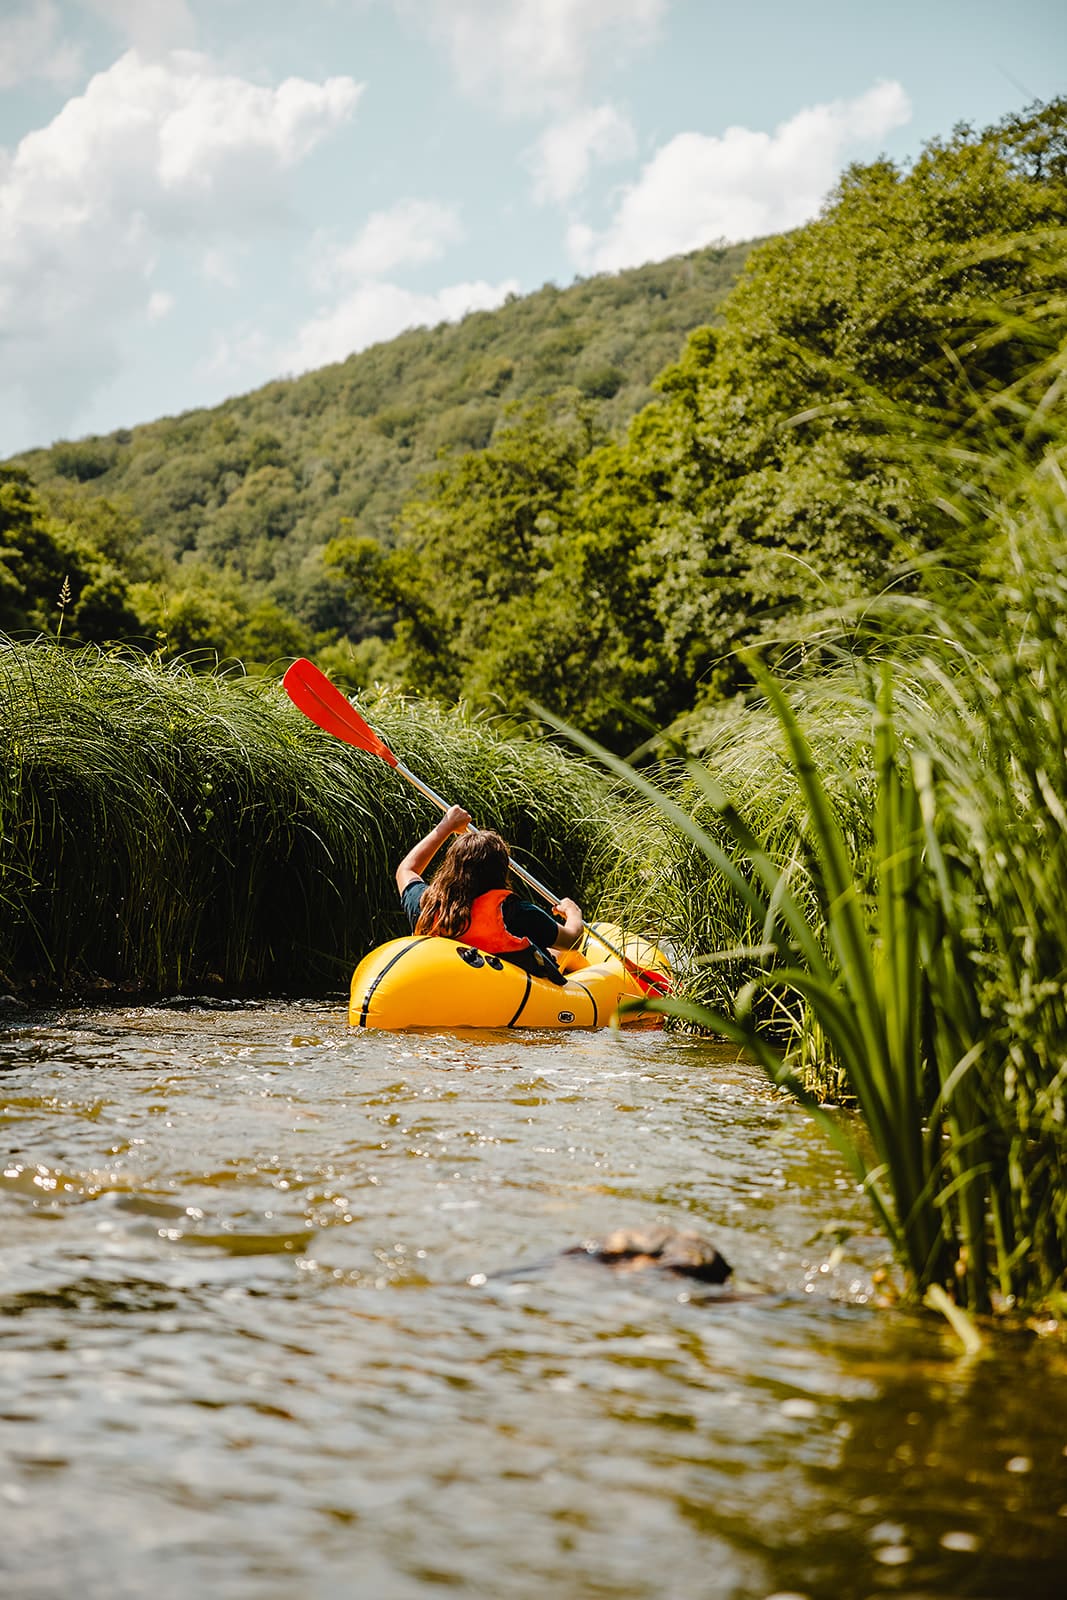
(631, 1249)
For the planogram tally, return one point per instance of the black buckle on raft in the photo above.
(473, 958)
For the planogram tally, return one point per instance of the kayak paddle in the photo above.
(311, 692)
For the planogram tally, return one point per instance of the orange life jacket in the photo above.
(486, 930)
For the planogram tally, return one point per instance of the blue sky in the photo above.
(199, 195)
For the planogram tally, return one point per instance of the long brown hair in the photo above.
(475, 863)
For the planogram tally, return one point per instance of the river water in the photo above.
(284, 1311)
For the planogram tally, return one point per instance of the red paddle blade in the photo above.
(312, 693)
(655, 984)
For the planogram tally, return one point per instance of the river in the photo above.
(285, 1312)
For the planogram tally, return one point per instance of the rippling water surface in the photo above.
(283, 1312)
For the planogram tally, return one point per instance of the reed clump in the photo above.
(664, 878)
(164, 829)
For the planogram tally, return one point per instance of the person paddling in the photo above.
(469, 899)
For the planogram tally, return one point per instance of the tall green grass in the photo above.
(161, 829)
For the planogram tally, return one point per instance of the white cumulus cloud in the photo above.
(377, 311)
(152, 154)
(407, 234)
(700, 188)
(528, 56)
(364, 308)
(566, 152)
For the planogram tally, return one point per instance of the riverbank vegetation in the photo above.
(870, 863)
(169, 830)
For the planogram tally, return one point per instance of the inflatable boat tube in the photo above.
(422, 982)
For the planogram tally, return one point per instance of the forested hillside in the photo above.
(792, 468)
(255, 488)
(573, 545)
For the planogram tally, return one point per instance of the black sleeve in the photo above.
(527, 921)
(412, 898)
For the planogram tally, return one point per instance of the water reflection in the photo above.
(286, 1310)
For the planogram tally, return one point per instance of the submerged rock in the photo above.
(632, 1249)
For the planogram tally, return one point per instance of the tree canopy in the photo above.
(779, 470)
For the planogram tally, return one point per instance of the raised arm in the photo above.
(571, 931)
(418, 858)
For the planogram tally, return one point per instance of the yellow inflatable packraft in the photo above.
(422, 982)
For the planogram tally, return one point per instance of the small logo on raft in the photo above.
(566, 1016)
